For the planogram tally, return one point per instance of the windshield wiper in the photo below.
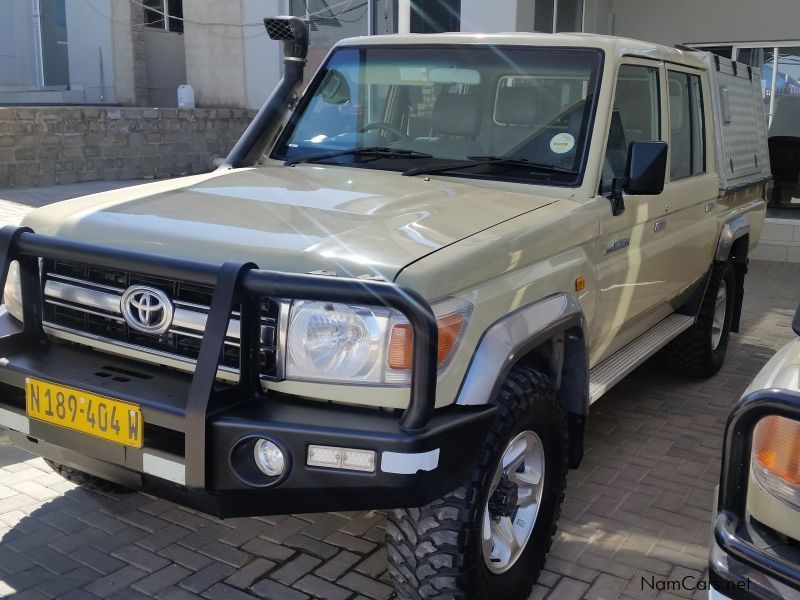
(376, 151)
(477, 161)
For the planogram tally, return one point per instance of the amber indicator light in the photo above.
(400, 345)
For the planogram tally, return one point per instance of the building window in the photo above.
(164, 14)
(780, 75)
(687, 134)
(552, 16)
(435, 16)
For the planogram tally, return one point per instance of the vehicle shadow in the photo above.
(11, 455)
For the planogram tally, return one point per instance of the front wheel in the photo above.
(490, 537)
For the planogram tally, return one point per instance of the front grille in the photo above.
(84, 299)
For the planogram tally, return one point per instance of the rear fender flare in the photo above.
(732, 230)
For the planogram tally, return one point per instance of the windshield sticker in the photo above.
(562, 143)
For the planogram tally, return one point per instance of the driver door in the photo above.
(631, 255)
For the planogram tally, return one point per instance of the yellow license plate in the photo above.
(99, 416)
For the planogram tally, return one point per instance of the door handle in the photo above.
(660, 225)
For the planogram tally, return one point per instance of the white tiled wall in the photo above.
(780, 241)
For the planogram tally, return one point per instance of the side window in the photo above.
(636, 117)
(698, 125)
(687, 131)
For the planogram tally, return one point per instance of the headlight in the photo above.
(331, 342)
(12, 294)
(776, 457)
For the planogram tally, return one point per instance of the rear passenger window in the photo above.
(636, 117)
(687, 131)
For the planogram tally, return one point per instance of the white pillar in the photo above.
(403, 16)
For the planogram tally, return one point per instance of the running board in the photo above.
(608, 373)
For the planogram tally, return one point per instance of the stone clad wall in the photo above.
(49, 145)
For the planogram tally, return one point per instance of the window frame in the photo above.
(554, 27)
(168, 17)
(583, 169)
(663, 123)
(688, 72)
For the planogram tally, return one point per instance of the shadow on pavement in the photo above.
(10, 455)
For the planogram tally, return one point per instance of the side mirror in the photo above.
(646, 169)
(645, 172)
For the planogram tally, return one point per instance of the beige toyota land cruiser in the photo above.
(402, 290)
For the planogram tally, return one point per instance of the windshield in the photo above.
(454, 103)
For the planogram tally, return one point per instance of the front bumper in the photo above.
(196, 429)
(435, 460)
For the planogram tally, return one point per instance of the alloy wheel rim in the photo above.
(720, 308)
(513, 503)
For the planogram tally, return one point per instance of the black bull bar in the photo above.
(732, 503)
(235, 284)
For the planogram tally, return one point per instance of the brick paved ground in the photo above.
(638, 507)
(15, 202)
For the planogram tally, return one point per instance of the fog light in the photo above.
(269, 458)
(341, 458)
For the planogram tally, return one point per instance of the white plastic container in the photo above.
(185, 96)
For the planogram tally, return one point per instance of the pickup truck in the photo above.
(755, 552)
(402, 290)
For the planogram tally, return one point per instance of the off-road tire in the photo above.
(692, 353)
(85, 480)
(435, 551)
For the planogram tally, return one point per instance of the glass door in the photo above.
(53, 43)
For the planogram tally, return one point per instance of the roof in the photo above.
(611, 45)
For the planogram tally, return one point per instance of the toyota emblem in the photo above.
(146, 309)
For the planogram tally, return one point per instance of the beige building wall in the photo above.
(130, 76)
(665, 21)
(490, 17)
(262, 56)
(91, 49)
(17, 46)
(230, 61)
(215, 52)
(690, 21)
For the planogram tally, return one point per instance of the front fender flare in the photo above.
(514, 335)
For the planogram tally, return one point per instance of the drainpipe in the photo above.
(292, 31)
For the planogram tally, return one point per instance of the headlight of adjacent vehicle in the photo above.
(331, 342)
(776, 457)
(12, 294)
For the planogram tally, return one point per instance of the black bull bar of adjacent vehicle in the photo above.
(235, 283)
(732, 502)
